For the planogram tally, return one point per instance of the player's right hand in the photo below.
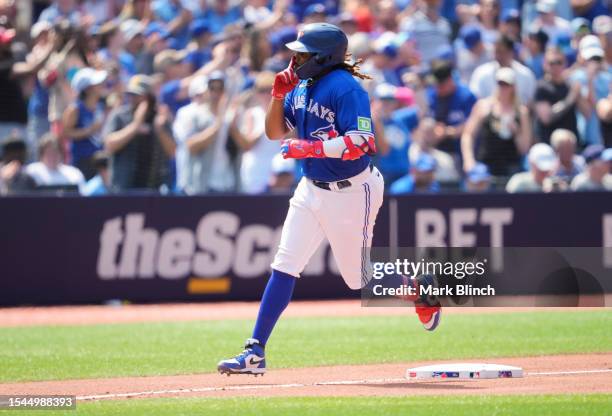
(285, 81)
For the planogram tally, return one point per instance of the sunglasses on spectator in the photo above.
(503, 84)
(216, 87)
(556, 62)
(596, 59)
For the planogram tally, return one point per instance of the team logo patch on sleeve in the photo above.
(364, 124)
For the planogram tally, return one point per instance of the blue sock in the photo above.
(275, 299)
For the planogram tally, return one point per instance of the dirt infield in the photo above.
(584, 373)
(578, 374)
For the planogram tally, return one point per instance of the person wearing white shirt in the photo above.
(248, 131)
(50, 171)
(483, 81)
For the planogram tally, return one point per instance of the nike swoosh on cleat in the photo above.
(255, 360)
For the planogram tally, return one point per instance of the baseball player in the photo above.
(341, 192)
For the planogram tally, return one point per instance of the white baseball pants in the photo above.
(345, 217)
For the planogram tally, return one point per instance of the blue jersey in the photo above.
(335, 105)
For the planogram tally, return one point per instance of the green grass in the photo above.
(545, 405)
(68, 352)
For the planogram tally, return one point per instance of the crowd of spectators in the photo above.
(115, 96)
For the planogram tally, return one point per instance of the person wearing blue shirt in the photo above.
(450, 104)
(221, 15)
(419, 180)
(171, 64)
(177, 19)
(200, 56)
(84, 118)
(397, 124)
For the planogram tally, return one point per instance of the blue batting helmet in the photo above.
(327, 44)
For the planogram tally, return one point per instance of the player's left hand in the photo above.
(301, 149)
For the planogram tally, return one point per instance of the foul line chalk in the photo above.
(297, 385)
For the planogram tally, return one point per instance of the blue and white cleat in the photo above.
(251, 361)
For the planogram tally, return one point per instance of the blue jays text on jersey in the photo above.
(335, 105)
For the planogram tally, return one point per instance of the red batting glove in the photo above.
(285, 81)
(302, 149)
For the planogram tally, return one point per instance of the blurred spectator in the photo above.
(488, 20)
(556, 101)
(483, 80)
(535, 42)
(542, 163)
(201, 130)
(595, 79)
(596, 176)
(137, 9)
(282, 179)
(13, 178)
(84, 118)
(43, 39)
(604, 113)
(397, 123)
(420, 179)
(61, 10)
(570, 164)
(202, 53)
(281, 55)
(173, 68)
(99, 184)
(67, 58)
(175, 18)
(473, 53)
(14, 113)
(382, 64)
(602, 27)
(425, 141)
(247, 129)
(478, 179)
(50, 171)
(138, 138)
(511, 24)
(450, 104)
(315, 13)
(504, 128)
(428, 29)
(547, 20)
(387, 16)
(221, 14)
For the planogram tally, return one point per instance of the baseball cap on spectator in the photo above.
(282, 36)
(425, 163)
(405, 95)
(39, 28)
(509, 15)
(607, 155)
(546, 6)
(538, 35)
(87, 77)
(590, 47)
(156, 27)
(602, 25)
(280, 165)
(470, 35)
(316, 8)
(359, 44)
(505, 75)
(139, 85)
(198, 86)
(479, 173)
(385, 45)
(441, 70)
(216, 75)
(168, 57)
(542, 156)
(580, 25)
(6, 35)
(385, 91)
(130, 29)
(445, 53)
(198, 27)
(592, 153)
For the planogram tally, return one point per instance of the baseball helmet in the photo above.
(327, 44)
